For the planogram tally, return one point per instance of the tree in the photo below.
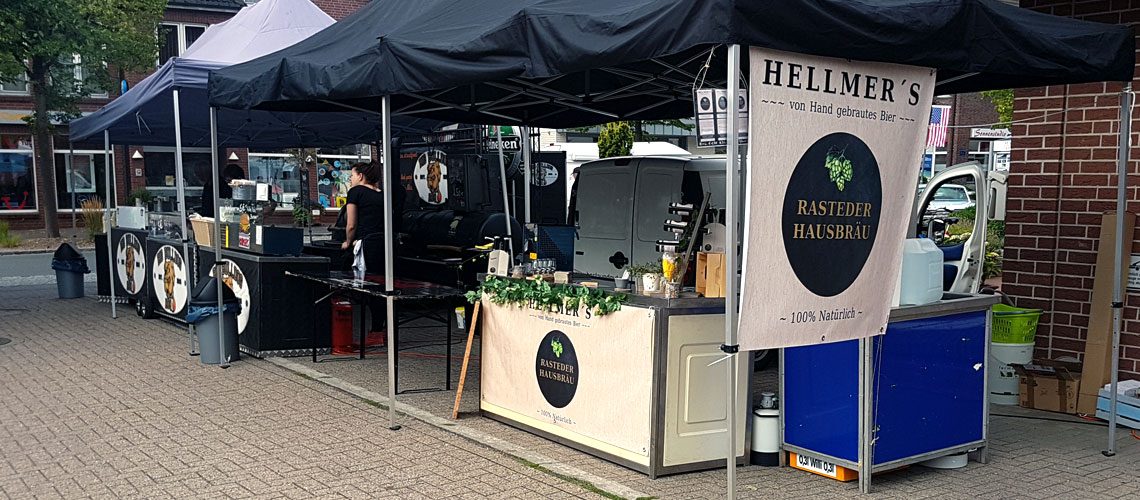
(615, 139)
(66, 49)
(639, 134)
(1003, 104)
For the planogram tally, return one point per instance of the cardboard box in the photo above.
(1098, 344)
(1050, 385)
(710, 274)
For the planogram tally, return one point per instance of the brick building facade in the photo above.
(187, 18)
(1062, 180)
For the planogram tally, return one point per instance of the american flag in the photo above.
(936, 134)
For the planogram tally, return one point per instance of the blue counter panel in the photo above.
(821, 398)
(931, 385)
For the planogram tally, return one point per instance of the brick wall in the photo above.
(1062, 179)
(966, 111)
(339, 9)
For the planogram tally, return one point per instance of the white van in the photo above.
(621, 205)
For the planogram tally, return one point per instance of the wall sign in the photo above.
(833, 144)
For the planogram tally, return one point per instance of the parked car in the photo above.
(950, 197)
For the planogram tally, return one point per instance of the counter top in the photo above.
(951, 303)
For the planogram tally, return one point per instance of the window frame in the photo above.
(281, 207)
(180, 29)
(35, 180)
(68, 153)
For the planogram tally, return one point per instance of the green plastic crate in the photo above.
(1013, 325)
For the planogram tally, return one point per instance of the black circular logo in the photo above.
(705, 103)
(556, 367)
(831, 213)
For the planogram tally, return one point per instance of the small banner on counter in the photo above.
(834, 146)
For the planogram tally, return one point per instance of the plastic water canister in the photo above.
(921, 272)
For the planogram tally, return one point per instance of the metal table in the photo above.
(406, 293)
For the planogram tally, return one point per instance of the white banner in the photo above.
(834, 146)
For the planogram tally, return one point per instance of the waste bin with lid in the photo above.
(69, 266)
(203, 313)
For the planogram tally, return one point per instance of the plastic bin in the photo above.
(1012, 325)
(203, 312)
(69, 266)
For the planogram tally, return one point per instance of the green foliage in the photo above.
(1003, 104)
(301, 215)
(652, 267)
(7, 240)
(41, 38)
(640, 135)
(615, 139)
(539, 294)
(995, 239)
(140, 194)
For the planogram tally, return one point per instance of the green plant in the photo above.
(539, 294)
(140, 194)
(615, 139)
(92, 211)
(652, 267)
(995, 239)
(301, 215)
(8, 240)
(1003, 104)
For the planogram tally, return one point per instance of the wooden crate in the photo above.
(710, 274)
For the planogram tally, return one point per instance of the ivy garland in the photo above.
(540, 294)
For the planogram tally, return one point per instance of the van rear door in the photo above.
(604, 217)
(658, 185)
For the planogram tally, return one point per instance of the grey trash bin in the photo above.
(203, 313)
(69, 266)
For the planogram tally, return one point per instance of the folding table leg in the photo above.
(447, 360)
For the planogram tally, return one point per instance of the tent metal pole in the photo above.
(180, 182)
(108, 172)
(71, 180)
(389, 238)
(506, 198)
(214, 181)
(731, 191)
(526, 174)
(1123, 149)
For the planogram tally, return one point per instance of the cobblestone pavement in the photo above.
(115, 408)
(95, 407)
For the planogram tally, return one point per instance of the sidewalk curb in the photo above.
(41, 251)
(518, 452)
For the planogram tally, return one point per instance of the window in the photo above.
(951, 193)
(281, 171)
(176, 38)
(75, 62)
(79, 176)
(18, 86)
(333, 173)
(17, 174)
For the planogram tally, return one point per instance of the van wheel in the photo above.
(763, 359)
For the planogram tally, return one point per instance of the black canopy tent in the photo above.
(562, 63)
(565, 63)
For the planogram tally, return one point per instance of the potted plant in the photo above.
(648, 275)
(140, 198)
(302, 217)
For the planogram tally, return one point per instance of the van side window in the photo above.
(691, 190)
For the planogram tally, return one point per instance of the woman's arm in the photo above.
(349, 226)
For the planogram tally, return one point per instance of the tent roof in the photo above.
(559, 63)
(144, 115)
